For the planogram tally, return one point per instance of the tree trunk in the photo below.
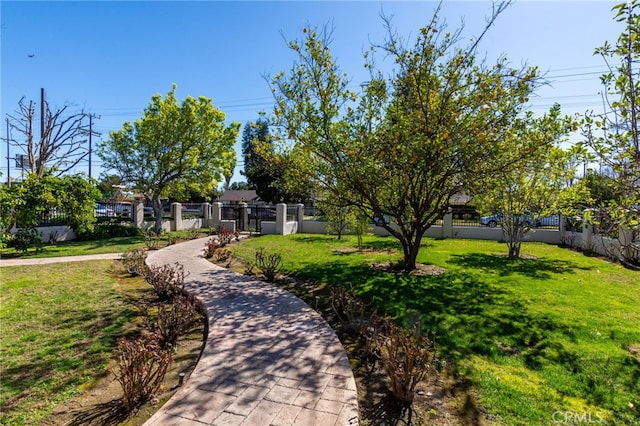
(157, 211)
(514, 249)
(410, 249)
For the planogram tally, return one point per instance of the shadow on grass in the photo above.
(535, 268)
(469, 314)
(106, 414)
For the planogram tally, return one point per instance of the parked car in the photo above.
(548, 221)
(122, 208)
(493, 220)
(381, 221)
(104, 211)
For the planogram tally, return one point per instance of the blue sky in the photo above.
(109, 58)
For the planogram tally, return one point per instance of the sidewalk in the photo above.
(45, 260)
(269, 358)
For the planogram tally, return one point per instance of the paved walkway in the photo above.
(269, 358)
(45, 260)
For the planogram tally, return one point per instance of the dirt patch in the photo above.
(349, 250)
(99, 403)
(421, 269)
(634, 351)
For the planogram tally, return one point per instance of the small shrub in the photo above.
(151, 239)
(107, 230)
(210, 247)
(133, 261)
(171, 239)
(269, 264)
(350, 309)
(222, 255)
(142, 366)
(25, 239)
(174, 321)
(408, 356)
(192, 233)
(224, 236)
(167, 280)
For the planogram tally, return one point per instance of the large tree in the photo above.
(260, 171)
(172, 144)
(540, 184)
(409, 142)
(614, 135)
(62, 140)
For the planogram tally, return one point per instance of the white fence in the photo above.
(290, 220)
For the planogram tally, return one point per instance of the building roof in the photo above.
(239, 196)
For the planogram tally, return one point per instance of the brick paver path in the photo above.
(269, 358)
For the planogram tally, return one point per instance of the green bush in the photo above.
(107, 230)
(25, 239)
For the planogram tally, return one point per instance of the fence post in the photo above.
(216, 215)
(243, 223)
(176, 215)
(587, 236)
(300, 217)
(205, 211)
(137, 214)
(281, 218)
(447, 224)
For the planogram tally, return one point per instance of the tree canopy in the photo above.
(541, 184)
(172, 147)
(23, 204)
(407, 143)
(614, 136)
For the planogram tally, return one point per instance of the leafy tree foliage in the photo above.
(405, 145)
(539, 184)
(62, 144)
(267, 168)
(172, 147)
(257, 149)
(614, 135)
(239, 186)
(23, 204)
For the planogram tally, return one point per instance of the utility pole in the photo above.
(90, 140)
(41, 113)
(8, 157)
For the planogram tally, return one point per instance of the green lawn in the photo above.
(77, 248)
(111, 245)
(58, 326)
(554, 331)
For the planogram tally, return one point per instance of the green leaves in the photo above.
(402, 147)
(173, 144)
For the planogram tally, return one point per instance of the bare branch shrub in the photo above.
(269, 264)
(167, 280)
(174, 321)
(351, 310)
(408, 356)
(133, 261)
(142, 366)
